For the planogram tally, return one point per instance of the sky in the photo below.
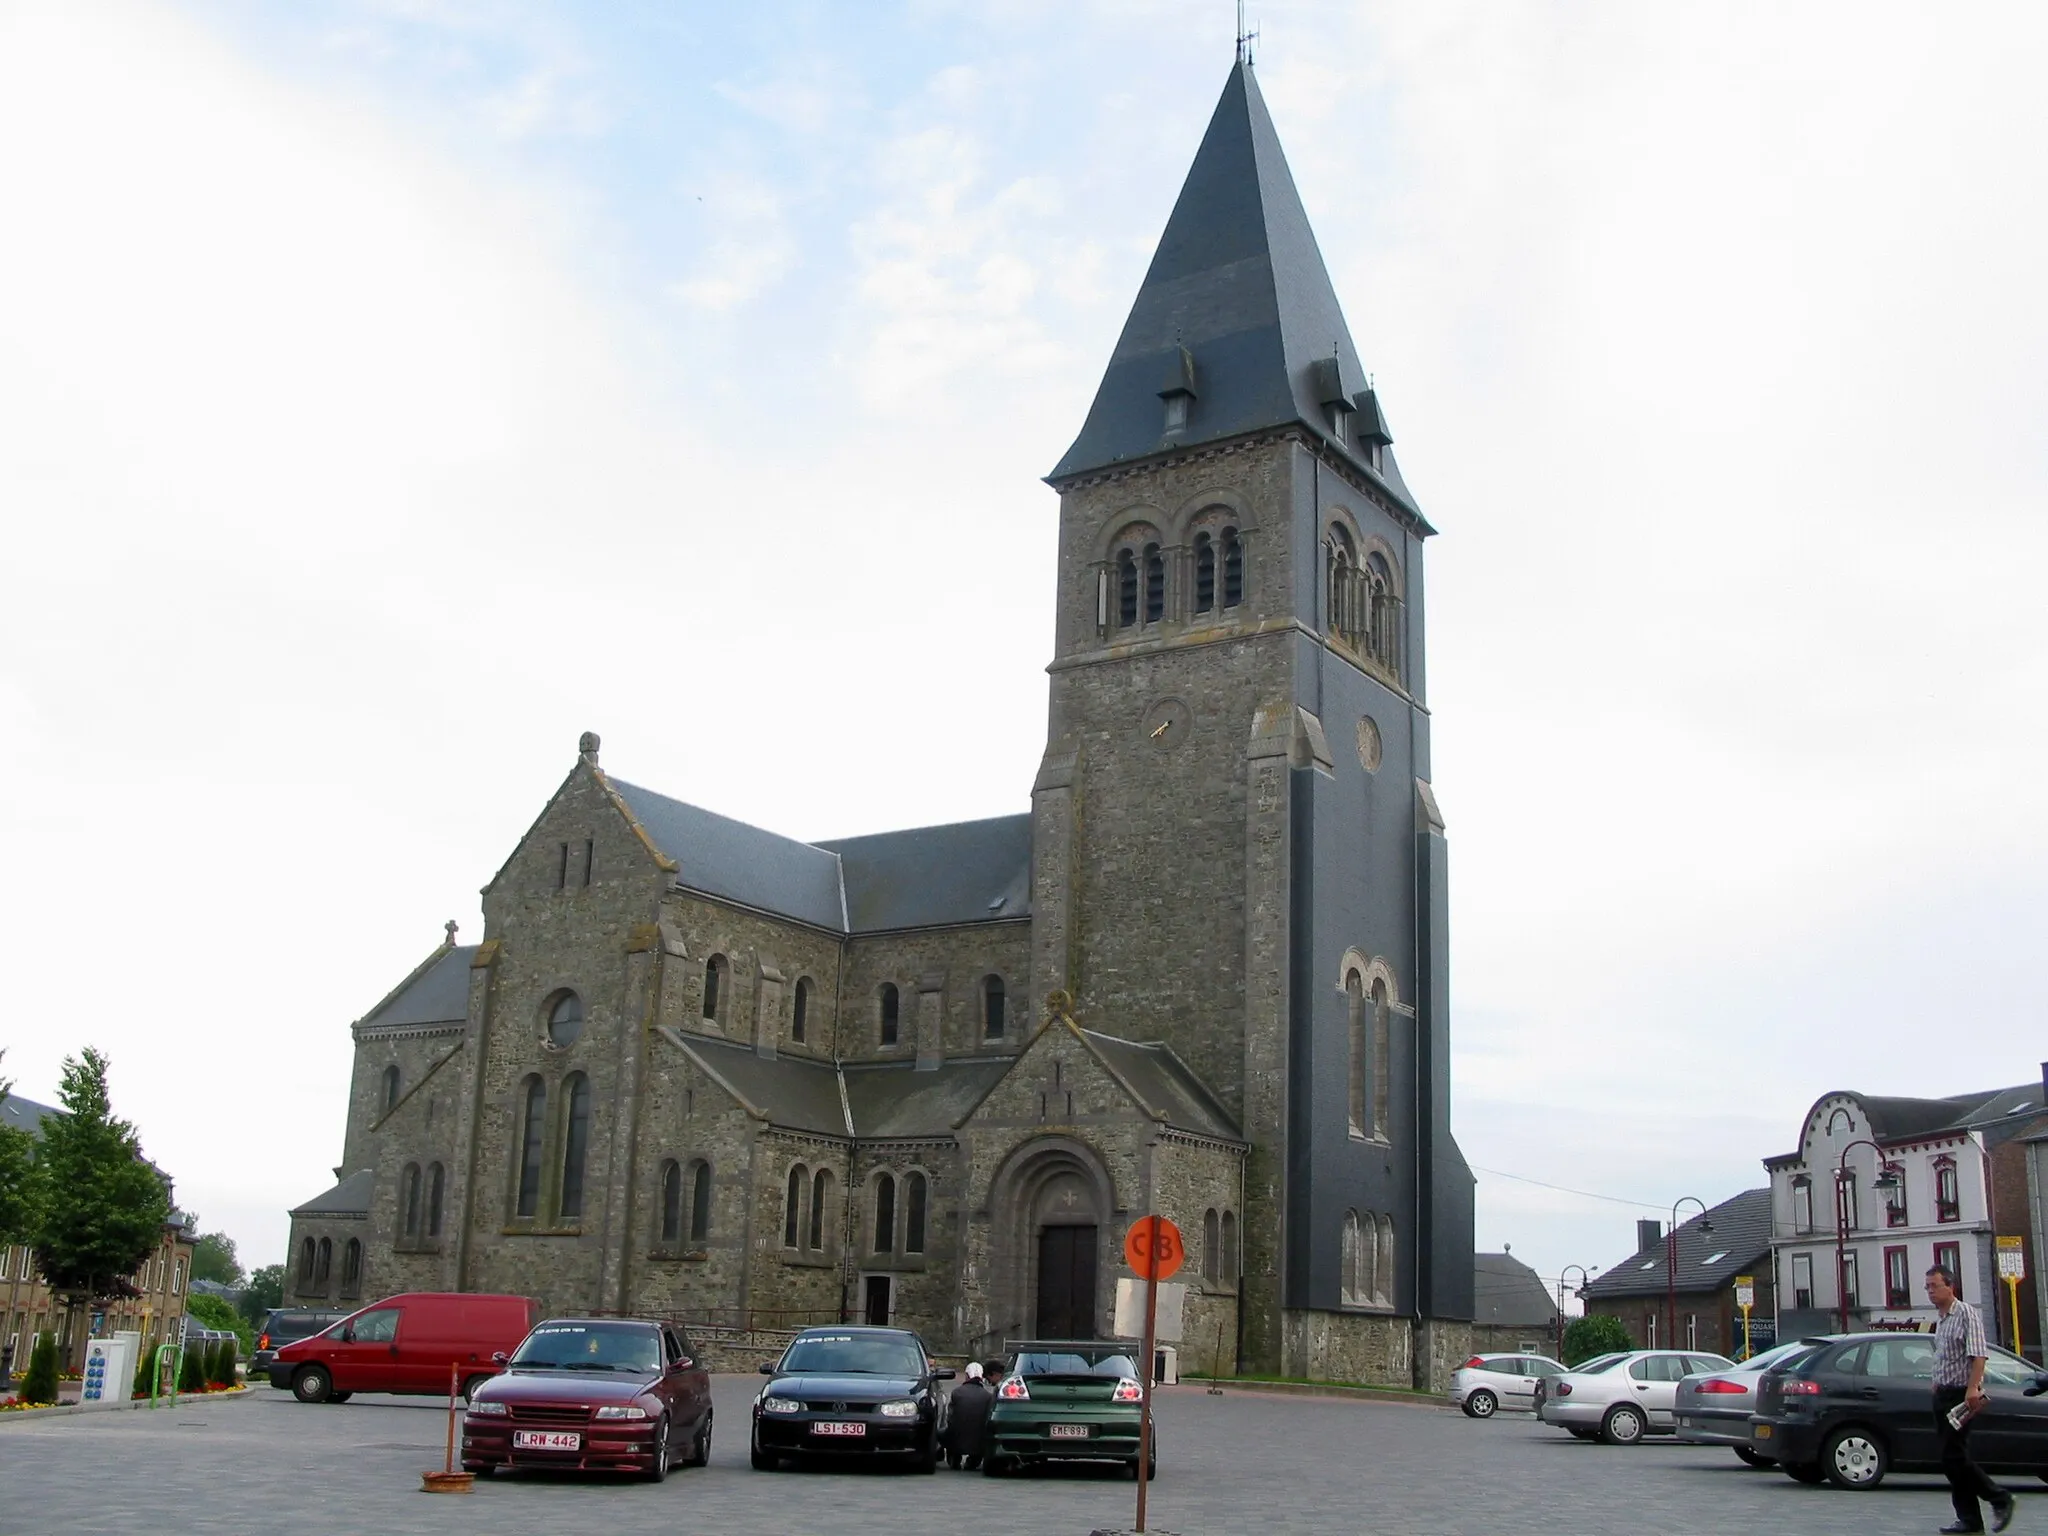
(394, 389)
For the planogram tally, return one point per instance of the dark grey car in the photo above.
(1713, 1407)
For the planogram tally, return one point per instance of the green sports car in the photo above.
(1067, 1400)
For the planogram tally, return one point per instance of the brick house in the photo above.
(1729, 1240)
(930, 1076)
(27, 1306)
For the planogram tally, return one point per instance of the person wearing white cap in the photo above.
(967, 1419)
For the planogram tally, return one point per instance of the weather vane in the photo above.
(1244, 39)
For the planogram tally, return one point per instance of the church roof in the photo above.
(436, 993)
(351, 1197)
(1506, 1293)
(897, 1100)
(1237, 310)
(920, 877)
(1163, 1083)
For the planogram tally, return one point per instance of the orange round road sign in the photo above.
(1154, 1256)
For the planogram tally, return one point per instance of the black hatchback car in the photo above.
(1853, 1409)
(282, 1326)
(851, 1391)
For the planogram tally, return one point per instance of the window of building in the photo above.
(1379, 1022)
(821, 1202)
(575, 1143)
(532, 1131)
(885, 1214)
(1353, 1284)
(435, 1180)
(1948, 1198)
(1229, 1274)
(1802, 1280)
(1692, 1330)
(1355, 1036)
(1845, 1191)
(1949, 1256)
(1126, 589)
(305, 1263)
(914, 1195)
(1852, 1291)
(671, 1202)
(1233, 568)
(323, 1267)
(1802, 1203)
(1177, 411)
(409, 1197)
(562, 870)
(565, 1019)
(352, 1268)
(1205, 574)
(1155, 584)
(390, 1089)
(1212, 1245)
(714, 985)
(700, 1202)
(1895, 1213)
(1383, 1264)
(891, 1006)
(793, 1207)
(800, 1010)
(589, 860)
(992, 1001)
(1898, 1278)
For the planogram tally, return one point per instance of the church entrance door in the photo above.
(1066, 1283)
(877, 1301)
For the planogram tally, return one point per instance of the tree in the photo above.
(99, 1208)
(1589, 1336)
(213, 1258)
(17, 1178)
(264, 1291)
(40, 1384)
(216, 1313)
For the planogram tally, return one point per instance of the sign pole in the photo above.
(1745, 1298)
(2012, 1269)
(1151, 1345)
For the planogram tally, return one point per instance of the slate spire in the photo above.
(1236, 327)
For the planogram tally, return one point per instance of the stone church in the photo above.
(695, 1068)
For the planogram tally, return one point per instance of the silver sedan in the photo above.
(1620, 1398)
(1713, 1407)
(1485, 1384)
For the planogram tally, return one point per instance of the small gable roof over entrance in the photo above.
(351, 1197)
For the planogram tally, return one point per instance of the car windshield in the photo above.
(853, 1354)
(1075, 1362)
(1598, 1364)
(595, 1346)
(1773, 1357)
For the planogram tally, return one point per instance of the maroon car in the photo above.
(591, 1394)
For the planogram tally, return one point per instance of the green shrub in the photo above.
(192, 1374)
(40, 1384)
(1590, 1336)
(221, 1368)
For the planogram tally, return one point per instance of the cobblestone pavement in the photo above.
(1233, 1465)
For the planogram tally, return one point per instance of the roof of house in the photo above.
(436, 993)
(1739, 1240)
(1237, 308)
(919, 877)
(1506, 1293)
(22, 1114)
(1996, 1112)
(351, 1197)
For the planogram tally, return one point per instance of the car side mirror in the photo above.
(348, 1335)
(767, 1367)
(684, 1362)
(944, 1373)
(499, 1357)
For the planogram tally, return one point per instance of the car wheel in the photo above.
(1481, 1404)
(469, 1387)
(1622, 1426)
(312, 1385)
(700, 1444)
(1854, 1458)
(662, 1452)
(995, 1466)
(927, 1460)
(478, 1469)
(339, 1397)
(1808, 1472)
(762, 1461)
(1750, 1458)
(1579, 1432)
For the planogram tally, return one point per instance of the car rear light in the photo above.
(263, 1341)
(1474, 1364)
(1799, 1386)
(1127, 1391)
(1563, 1389)
(1716, 1384)
(1013, 1388)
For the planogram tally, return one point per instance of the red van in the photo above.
(411, 1343)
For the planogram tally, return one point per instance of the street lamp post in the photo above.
(1584, 1280)
(1671, 1266)
(1887, 1181)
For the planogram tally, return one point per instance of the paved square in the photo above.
(1244, 1464)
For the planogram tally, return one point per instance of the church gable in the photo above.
(586, 838)
(1059, 1079)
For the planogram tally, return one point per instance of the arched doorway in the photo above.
(1052, 1203)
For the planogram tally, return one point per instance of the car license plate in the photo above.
(852, 1430)
(1069, 1431)
(1763, 1432)
(545, 1440)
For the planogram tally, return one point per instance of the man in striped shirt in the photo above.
(1959, 1358)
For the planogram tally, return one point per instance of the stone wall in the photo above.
(938, 975)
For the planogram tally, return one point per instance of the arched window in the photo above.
(1233, 568)
(891, 1005)
(1383, 1266)
(671, 1202)
(435, 1180)
(1382, 1057)
(575, 1143)
(1340, 595)
(1205, 573)
(352, 1267)
(885, 1214)
(821, 1202)
(1355, 1036)
(700, 1202)
(409, 1199)
(992, 1001)
(1229, 1276)
(532, 1131)
(390, 1089)
(323, 1262)
(714, 985)
(305, 1263)
(565, 1019)
(1350, 1260)
(800, 1010)
(793, 1207)
(1382, 620)
(1212, 1245)
(914, 1193)
(1155, 584)
(1126, 589)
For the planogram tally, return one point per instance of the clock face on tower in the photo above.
(1166, 723)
